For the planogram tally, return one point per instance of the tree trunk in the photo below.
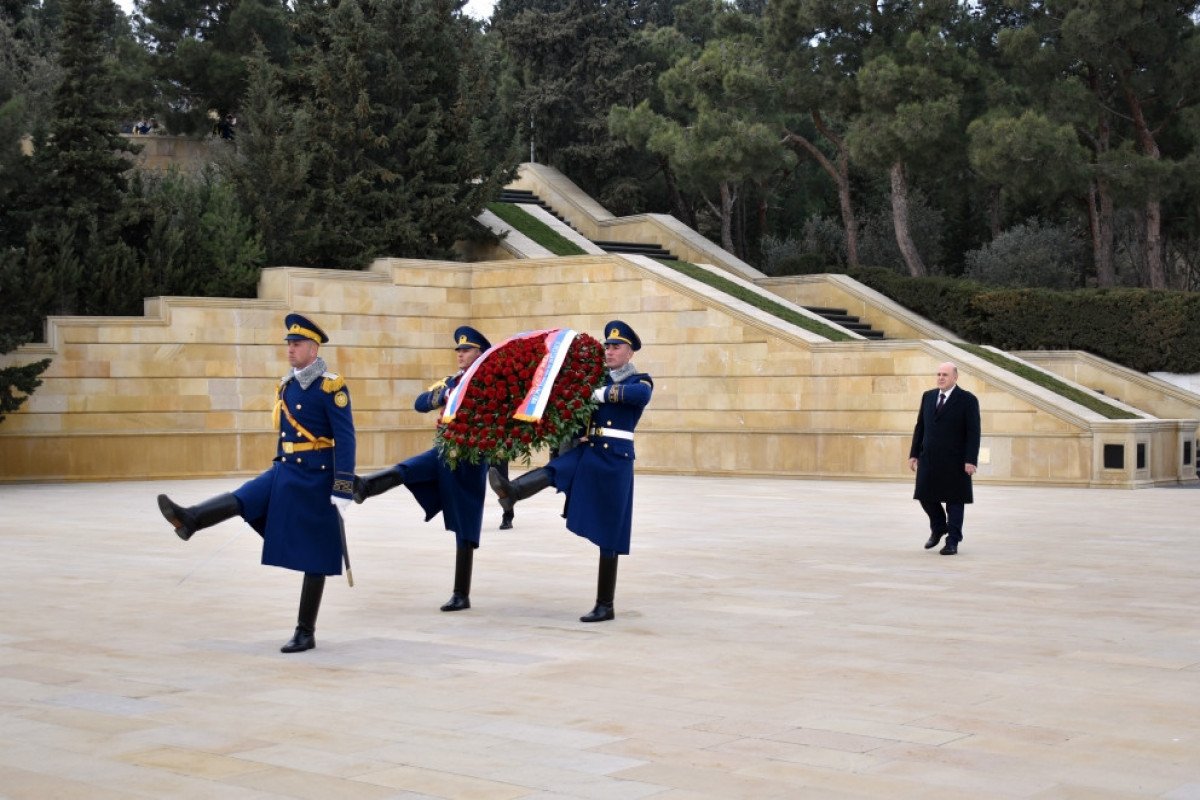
(727, 200)
(840, 174)
(849, 221)
(1100, 226)
(1156, 274)
(683, 211)
(908, 250)
(995, 201)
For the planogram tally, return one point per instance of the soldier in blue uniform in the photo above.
(296, 505)
(597, 474)
(458, 493)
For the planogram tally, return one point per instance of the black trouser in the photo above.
(948, 520)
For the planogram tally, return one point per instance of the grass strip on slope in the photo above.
(757, 300)
(1048, 382)
(523, 222)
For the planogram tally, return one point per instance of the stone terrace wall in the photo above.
(187, 390)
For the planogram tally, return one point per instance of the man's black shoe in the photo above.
(457, 602)
(934, 538)
(302, 640)
(601, 613)
(950, 549)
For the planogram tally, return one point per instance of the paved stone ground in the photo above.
(774, 639)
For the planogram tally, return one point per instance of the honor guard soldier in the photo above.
(597, 474)
(458, 493)
(297, 504)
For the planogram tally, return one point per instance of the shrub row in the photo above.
(1143, 329)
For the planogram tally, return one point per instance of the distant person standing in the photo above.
(225, 127)
(944, 454)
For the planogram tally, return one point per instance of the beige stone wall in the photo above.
(1160, 398)
(186, 153)
(187, 389)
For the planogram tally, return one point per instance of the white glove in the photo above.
(599, 394)
(342, 503)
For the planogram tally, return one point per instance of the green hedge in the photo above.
(1143, 329)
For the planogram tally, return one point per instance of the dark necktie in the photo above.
(941, 402)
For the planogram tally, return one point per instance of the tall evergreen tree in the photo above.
(80, 166)
(198, 50)
(817, 47)
(713, 131)
(382, 121)
(576, 59)
(1150, 50)
(271, 165)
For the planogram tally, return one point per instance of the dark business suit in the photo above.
(943, 443)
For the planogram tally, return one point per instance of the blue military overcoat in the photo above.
(459, 493)
(289, 504)
(597, 476)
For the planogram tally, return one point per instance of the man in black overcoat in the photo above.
(944, 454)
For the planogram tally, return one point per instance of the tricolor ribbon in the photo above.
(558, 343)
(531, 409)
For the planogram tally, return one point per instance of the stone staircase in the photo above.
(634, 248)
(850, 322)
(526, 197)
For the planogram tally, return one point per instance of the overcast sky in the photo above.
(479, 9)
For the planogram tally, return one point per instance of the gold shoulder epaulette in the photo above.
(332, 382)
(438, 384)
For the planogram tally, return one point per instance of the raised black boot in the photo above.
(509, 492)
(606, 589)
(187, 521)
(461, 599)
(376, 483)
(306, 623)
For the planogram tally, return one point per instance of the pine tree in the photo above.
(396, 163)
(198, 51)
(16, 382)
(79, 187)
(576, 59)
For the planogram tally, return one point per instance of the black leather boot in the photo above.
(306, 624)
(464, 559)
(509, 492)
(606, 589)
(187, 521)
(506, 520)
(376, 483)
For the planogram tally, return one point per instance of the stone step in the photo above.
(634, 248)
(850, 322)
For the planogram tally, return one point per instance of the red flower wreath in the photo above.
(483, 427)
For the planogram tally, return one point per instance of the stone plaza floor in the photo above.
(774, 639)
